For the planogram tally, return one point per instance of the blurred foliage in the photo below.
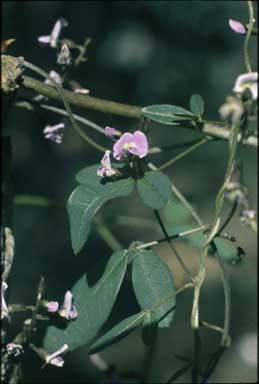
(142, 53)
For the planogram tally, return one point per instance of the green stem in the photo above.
(225, 341)
(178, 257)
(82, 120)
(183, 154)
(67, 106)
(183, 200)
(248, 36)
(173, 237)
(39, 201)
(106, 234)
(233, 142)
(44, 202)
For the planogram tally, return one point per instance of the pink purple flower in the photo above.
(247, 81)
(237, 27)
(53, 38)
(106, 169)
(4, 308)
(53, 132)
(69, 310)
(131, 144)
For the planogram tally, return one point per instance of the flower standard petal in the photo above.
(121, 146)
(141, 144)
(69, 310)
(56, 31)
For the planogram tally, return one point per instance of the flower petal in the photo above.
(44, 39)
(52, 306)
(247, 80)
(237, 27)
(140, 141)
(118, 148)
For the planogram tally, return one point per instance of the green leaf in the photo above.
(155, 189)
(93, 304)
(86, 199)
(154, 286)
(167, 114)
(197, 105)
(118, 332)
(228, 251)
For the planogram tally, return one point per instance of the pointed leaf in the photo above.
(154, 286)
(155, 189)
(118, 332)
(86, 199)
(197, 105)
(167, 114)
(93, 304)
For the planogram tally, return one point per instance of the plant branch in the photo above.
(66, 103)
(183, 154)
(120, 109)
(233, 143)
(248, 36)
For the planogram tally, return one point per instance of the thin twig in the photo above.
(183, 154)
(248, 36)
(178, 257)
(66, 104)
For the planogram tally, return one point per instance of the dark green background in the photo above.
(142, 53)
